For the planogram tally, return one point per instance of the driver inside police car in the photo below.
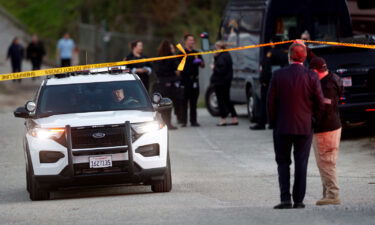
(120, 97)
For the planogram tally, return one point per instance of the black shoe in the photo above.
(195, 125)
(283, 205)
(299, 205)
(258, 127)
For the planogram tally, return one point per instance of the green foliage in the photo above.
(162, 18)
(45, 17)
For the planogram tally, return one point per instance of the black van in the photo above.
(249, 22)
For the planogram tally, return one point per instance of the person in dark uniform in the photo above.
(294, 95)
(167, 74)
(35, 52)
(120, 99)
(221, 80)
(16, 54)
(276, 58)
(190, 82)
(143, 70)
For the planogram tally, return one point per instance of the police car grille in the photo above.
(96, 137)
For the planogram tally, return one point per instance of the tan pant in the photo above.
(326, 148)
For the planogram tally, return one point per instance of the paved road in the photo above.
(223, 175)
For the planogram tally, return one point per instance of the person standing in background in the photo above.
(276, 58)
(221, 80)
(190, 82)
(327, 132)
(35, 52)
(65, 47)
(167, 74)
(16, 54)
(143, 70)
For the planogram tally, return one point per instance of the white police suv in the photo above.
(95, 128)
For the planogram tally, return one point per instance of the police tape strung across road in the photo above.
(52, 71)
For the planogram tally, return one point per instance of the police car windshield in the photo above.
(93, 97)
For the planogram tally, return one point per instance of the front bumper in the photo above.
(128, 166)
(65, 179)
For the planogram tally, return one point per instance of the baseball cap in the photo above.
(318, 64)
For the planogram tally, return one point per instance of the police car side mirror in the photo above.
(30, 106)
(21, 112)
(156, 98)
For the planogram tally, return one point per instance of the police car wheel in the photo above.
(250, 106)
(28, 179)
(166, 184)
(36, 193)
(211, 102)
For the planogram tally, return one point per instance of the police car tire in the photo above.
(36, 193)
(166, 184)
(28, 175)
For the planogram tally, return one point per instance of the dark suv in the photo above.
(356, 67)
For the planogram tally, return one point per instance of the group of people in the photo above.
(35, 52)
(181, 86)
(302, 106)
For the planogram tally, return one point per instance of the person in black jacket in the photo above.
(327, 132)
(35, 52)
(221, 80)
(143, 70)
(16, 55)
(168, 76)
(276, 58)
(295, 94)
(190, 82)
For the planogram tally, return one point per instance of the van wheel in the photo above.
(36, 193)
(250, 105)
(211, 102)
(166, 184)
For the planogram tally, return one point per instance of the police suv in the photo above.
(98, 127)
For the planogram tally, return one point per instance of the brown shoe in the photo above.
(329, 201)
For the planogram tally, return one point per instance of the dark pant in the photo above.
(263, 98)
(283, 148)
(65, 62)
(223, 97)
(36, 64)
(16, 66)
(167, 90)
(191, 95)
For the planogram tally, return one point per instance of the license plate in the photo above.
(101, 161)
(347, 81)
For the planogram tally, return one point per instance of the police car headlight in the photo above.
(45, 133)
(141, 128)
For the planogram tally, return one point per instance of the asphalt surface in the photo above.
(221, 175)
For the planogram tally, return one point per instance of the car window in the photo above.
(92, 97)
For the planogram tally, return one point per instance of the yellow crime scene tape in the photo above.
(184, 55)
